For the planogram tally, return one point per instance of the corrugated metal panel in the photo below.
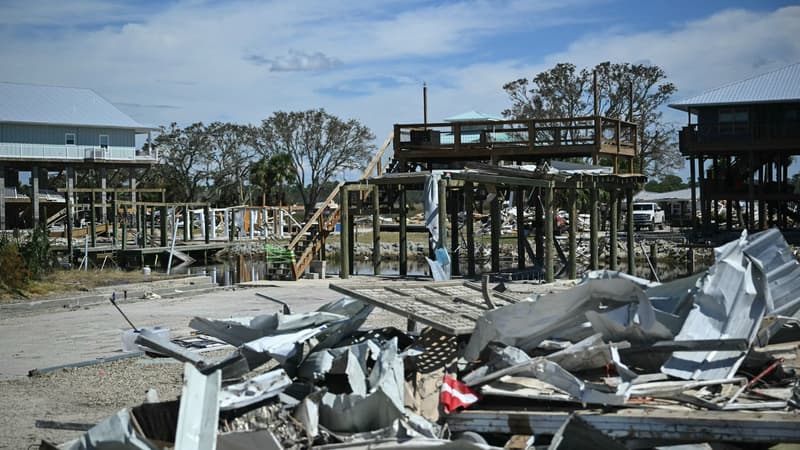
(472, 116)
(777, 86)
(29, 103)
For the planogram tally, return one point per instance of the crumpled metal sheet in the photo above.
(382, 404)
(780, 270)
(726, 306)
(526, 324)
(282, 346)
(254, 390)
(113, 433)
(351, 360)
(239, 330)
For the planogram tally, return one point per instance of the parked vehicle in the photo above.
(648, 215)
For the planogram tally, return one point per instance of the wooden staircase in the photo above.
(310, 240)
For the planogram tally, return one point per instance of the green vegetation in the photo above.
(24, 260)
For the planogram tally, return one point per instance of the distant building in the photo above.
(740, 147)
(47, 129)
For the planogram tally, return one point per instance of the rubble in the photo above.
(614, 361)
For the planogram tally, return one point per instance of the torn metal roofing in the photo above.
(782, 85)
(58, 105)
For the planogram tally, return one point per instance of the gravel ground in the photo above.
(92, 393)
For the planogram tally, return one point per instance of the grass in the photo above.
(63, 282)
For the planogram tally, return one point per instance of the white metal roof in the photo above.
(56, 105)
(782, 85)
(473, 116)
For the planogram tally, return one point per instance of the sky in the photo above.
(187, 61)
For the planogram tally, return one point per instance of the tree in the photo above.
(233, 150)
(184, 155)
(270, 175)
(667, 183)
(630, 91)
(320, 145)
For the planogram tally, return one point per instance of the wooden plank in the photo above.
(641, 424)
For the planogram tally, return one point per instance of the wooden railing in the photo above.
(534, 134)
(328, 223)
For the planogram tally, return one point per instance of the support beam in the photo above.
(519, 194)
(103, 195)
(549, 249)
(594, 249)
(35, 186)
(573, 233)
(164, 217)
(442, 186)
(206, 223)
(613, 224)
(69, 216)
(469, 201)
(403, 238)
(187, 224)
(455, 207)
(92, 220)
(693, 186)
(344, 233)
(494, 213)
(2, 198)
(629, 225)
(114, 221)
(376, 230)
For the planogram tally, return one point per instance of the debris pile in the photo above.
(613, 362)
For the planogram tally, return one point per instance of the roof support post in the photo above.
(92, 220)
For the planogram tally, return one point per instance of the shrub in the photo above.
(14, 274)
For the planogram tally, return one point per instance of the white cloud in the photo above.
(194, 61)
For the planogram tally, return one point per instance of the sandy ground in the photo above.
(88, 394)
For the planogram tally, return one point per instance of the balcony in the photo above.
(44, 152)
(523, 140)
(741, 137)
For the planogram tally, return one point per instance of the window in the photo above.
(733, 120)
(104, 141)
(69, 139)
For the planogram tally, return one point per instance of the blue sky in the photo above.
(193, 60)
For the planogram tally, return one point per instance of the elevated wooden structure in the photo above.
(439, 145)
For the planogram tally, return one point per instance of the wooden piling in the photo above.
(455, 267)
(573, 233)
(613, 225)
(403, 218)
(593, 230)
(469, 224)
(629, 225)
(344, 234)
(376, 231)
(549, 237)
(519, 194)
(494, 212)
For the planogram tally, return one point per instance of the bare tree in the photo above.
(635, 90)
(320, 145)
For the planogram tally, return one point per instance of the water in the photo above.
(228, 273)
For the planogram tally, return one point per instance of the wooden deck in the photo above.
(514, 140)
